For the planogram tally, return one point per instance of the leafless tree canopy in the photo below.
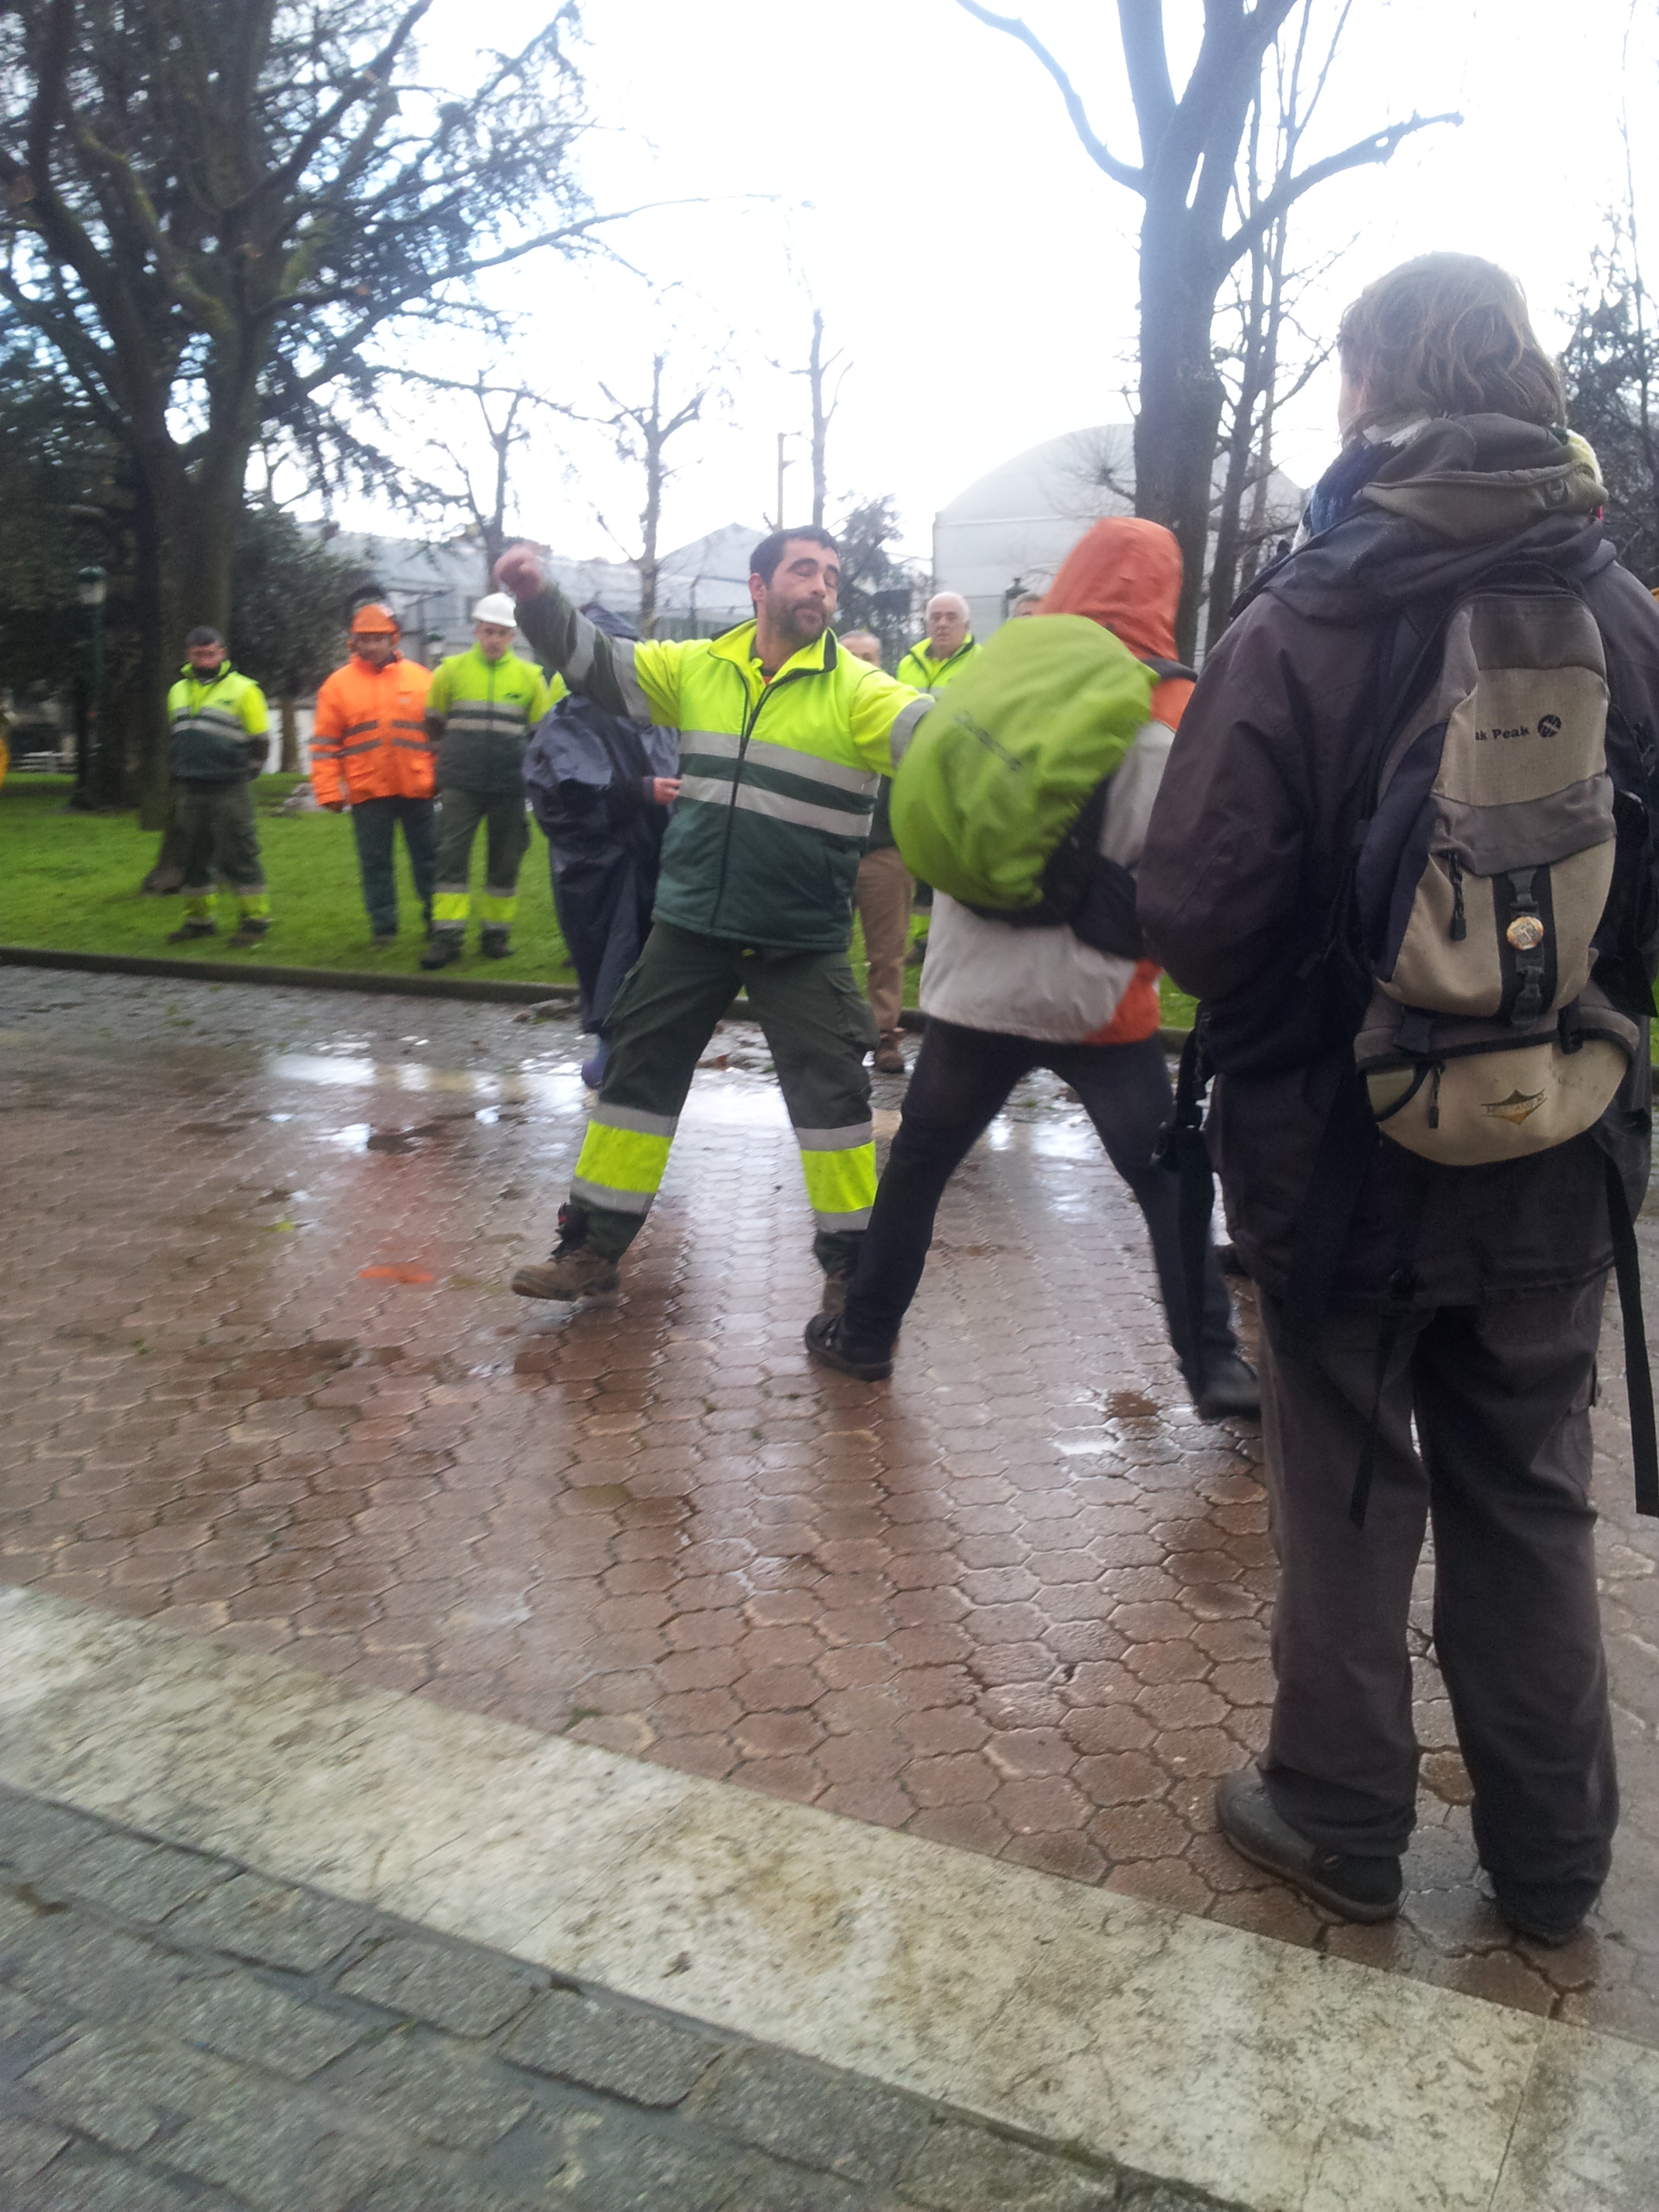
(1195, 228)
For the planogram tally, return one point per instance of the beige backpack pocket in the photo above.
(1463, 1094)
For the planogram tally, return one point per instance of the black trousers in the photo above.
(1500, 1467)
(960, 1083)
(374, 825)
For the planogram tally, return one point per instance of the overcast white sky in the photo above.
(914, 174)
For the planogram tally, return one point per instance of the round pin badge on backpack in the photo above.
(1525, 933)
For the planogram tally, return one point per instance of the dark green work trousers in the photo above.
(374, 825)
(819, 1028)
(215, 825)
(507, 828)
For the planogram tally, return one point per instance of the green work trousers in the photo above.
(819, 1029)
(221, 844)
(508, 826)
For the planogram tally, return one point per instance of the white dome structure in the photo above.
(1009, 532)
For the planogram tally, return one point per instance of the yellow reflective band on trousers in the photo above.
(496, 908)
(448, 906)
(621, 1169)
(840, 1185)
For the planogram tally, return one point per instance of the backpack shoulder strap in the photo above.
(1181, 1148)
(1638, 1375)
(1167, 671)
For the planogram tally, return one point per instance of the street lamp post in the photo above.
(91, 760)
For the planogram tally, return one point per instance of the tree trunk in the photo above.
(290, 727)
(1181, 398)
(191, 525)
(1230, 518)
(650, 521)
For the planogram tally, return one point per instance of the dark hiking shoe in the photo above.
(386, 936)
(252, 931)
(1230, 1262)
(823, 1339)
(890, 1058)
(188, 932)
(569, 1276)
(442, 948)
(1547, 1912)
(494, 944)
(1358, 1889)
(1230, 1388)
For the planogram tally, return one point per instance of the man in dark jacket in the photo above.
(600, 786)
(1454, 459)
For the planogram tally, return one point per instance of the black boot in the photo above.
(1231, 1388)
(825, 1338)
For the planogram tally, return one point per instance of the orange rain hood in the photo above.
(1125, 573)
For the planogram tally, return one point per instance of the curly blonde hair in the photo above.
(1448, 334)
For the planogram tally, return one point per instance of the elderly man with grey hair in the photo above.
(932, 662)
(937, 659)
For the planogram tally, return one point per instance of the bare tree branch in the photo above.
(1378, 147)
(1120, 172)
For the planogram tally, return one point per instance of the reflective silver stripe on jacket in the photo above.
(750, 798)
(904, 725)
(725, 744)
(578, 666)
(209, 718)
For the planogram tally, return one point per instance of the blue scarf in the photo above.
(1332, 499)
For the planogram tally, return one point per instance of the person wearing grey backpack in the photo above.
(1404, 856)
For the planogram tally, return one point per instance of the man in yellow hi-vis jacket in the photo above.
(783, 739)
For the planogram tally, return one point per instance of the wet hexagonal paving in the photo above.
(264, 1381)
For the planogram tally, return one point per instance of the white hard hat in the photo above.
(497, 608)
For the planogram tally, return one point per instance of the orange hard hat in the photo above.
(375, 618)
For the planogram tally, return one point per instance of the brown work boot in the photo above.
(579, 1272)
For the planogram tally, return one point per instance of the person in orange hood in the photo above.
(1000, 1001)
(370, 752)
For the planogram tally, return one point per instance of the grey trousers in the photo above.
(1501, 1394)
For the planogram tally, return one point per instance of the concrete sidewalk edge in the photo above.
(1274, 2078)
(480, 989)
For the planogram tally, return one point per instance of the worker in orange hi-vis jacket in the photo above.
(370, 752)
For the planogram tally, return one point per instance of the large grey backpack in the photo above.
(1481, 884)
(1499, 892)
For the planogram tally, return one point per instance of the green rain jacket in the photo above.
(779, 779)
(481, 715)
(219, 726)
(922, 672)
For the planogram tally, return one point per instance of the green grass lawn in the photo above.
(70, 881)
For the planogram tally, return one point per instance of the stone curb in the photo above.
(173, 2018)
(479, 989)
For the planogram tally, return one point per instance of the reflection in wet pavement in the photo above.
(265, 1382)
